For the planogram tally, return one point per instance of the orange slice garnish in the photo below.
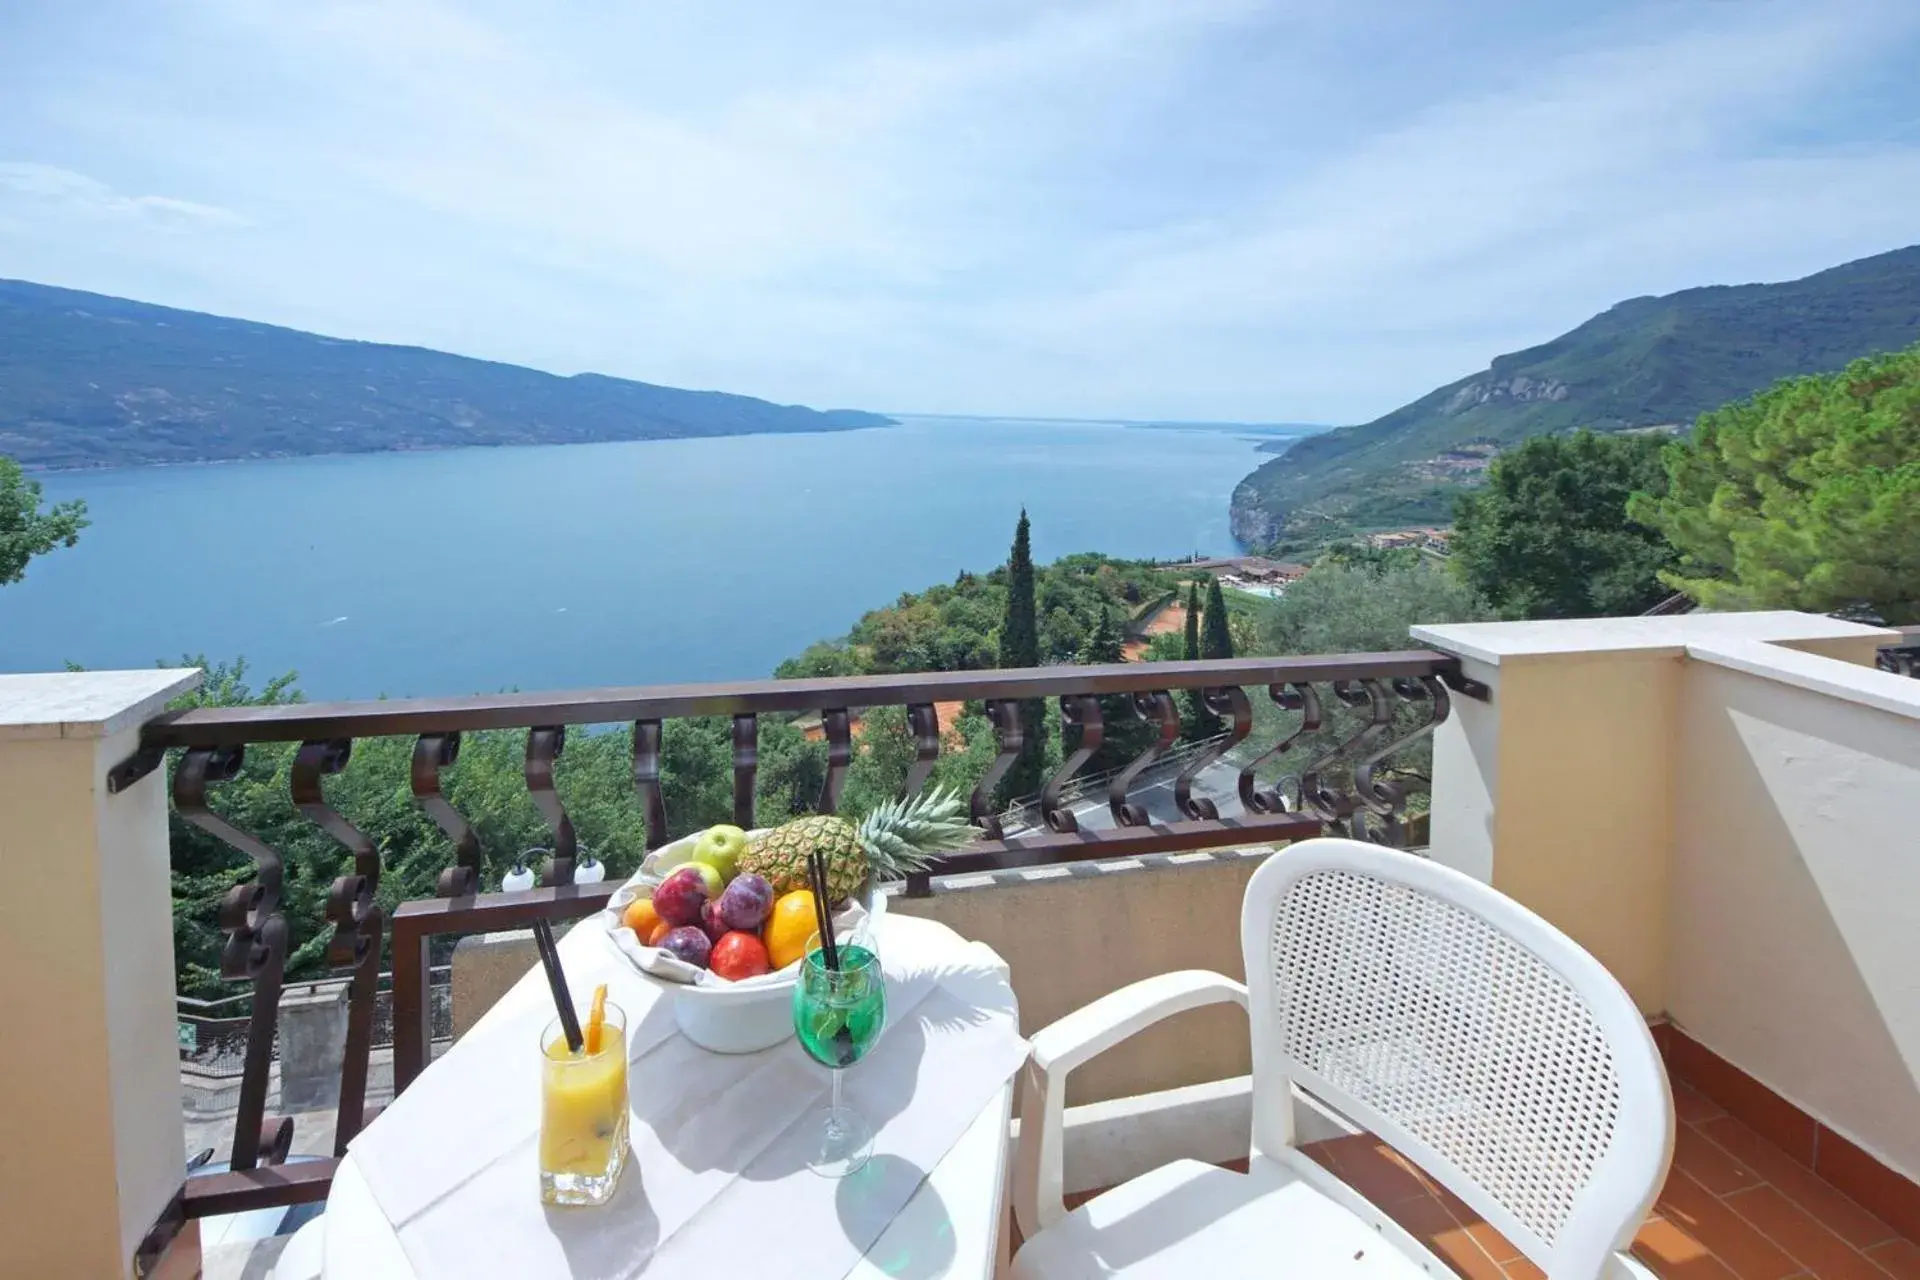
(597, 1018)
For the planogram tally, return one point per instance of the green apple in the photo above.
(720, 848)
(709, 878)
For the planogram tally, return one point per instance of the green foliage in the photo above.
(1549, 536)
(26, 530)
(820, 660)
(1341, 608)
(87, 380)
(1216, 637)
(1806, 496)
(1124, 734)
(1020, 647)
(1062, 635)
(1643, 362)
(1361, 555)
(1345, 608)
(1103, 645)
(1165, 646)
(1196, 719)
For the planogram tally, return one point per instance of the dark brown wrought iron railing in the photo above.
(1341, 785)
(1903, 658)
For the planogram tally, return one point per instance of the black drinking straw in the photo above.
(817, 872)
(557, 980)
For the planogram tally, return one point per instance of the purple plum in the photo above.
(689, 943)
(679, 897)
(711, 922)
(745, 903)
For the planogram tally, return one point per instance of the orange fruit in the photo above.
(660, 931)
(640, 917)
(789, 927)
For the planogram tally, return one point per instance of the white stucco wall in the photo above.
(1795, 947)
(1725, 810)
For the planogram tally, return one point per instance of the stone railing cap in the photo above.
(86, 704)
(1495, 642)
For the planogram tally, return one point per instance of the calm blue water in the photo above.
(483, 569)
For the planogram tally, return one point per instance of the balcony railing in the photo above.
(1903, 659)
(1343, 719)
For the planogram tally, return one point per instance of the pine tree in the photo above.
(1125, 734)
(1216, 640)
(1020, 647)
(1104, 645)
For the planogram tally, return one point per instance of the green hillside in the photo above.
(1646, 362)
(88, 380)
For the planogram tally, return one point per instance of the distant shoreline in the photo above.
(42, 470)
(1276, 429)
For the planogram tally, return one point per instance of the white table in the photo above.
(963, 1199)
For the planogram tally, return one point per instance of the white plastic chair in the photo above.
(1463, 1030)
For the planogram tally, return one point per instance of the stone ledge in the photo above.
(1571, 639)
(1845, 681)
(86, 704)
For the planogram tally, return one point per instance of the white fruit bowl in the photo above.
(718, 1015)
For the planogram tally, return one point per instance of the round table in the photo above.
(964, 1194)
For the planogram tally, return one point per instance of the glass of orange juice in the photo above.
(583, 1112)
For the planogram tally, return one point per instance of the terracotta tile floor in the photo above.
(1735, 1207)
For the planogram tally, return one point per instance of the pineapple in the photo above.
(898, 837)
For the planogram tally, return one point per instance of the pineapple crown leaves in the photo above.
(903, 836)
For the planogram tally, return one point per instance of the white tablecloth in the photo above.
(452, 1217)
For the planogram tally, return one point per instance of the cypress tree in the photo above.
(1216, 640)
(1020, 647)
(1206, 638)
(1200, 722)
(1192, 650)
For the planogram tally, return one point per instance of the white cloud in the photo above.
(1130, 207)
(65, 193)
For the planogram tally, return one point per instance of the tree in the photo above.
(1192, 651)
(1104, 645)
(1340, 608)
(1216, 638)
(1549, 536)
(1124, 734)
(1805, 496)
(821, 658)
(1344, 608)
(1020, 647)
(27, 531)
(1164, 646)
(1199, 721)
(1062, 635)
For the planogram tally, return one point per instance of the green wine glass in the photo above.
(837, 1016)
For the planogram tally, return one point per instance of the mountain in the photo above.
(1644, 363)
(90, 381)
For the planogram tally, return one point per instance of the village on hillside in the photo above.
(1257, 575)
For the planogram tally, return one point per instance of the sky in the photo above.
(1194, 209)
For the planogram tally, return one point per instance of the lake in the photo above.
(537, 568)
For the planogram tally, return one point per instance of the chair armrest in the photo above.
(1039, 1164)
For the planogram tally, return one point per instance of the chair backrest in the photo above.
(1466, 1032)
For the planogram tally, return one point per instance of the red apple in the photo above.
(739, 955)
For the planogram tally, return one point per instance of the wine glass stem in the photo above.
(836, 1096)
